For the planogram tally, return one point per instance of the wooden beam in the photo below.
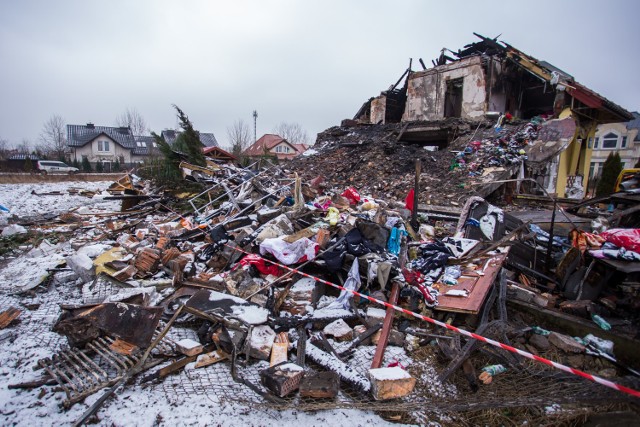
(386, 328)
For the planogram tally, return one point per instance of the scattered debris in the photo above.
(347, 277)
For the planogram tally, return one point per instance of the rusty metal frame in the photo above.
(83, 372)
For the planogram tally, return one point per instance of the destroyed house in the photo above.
(491, 79)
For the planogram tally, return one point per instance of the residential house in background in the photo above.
(621, 137)
(219, 155)
(106, 144)
(270, 145)
(207, 139)
(103, 144)
(146, 147)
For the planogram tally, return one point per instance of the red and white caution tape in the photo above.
(528, 355)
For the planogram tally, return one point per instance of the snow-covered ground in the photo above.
(30, 338)
(21, 201)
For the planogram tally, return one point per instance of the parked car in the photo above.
(52, 166)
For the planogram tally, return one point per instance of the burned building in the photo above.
(491, 79)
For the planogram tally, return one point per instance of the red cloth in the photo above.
(261, 265)
(408, 202)
(628, 238)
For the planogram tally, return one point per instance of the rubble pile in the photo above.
(376, 160)
(301, 296)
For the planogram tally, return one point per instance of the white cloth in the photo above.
(289, 253)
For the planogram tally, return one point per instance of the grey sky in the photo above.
(311, 62)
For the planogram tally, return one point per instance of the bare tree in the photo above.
(53, 137)
(292, 132)
(132, 119)
(4, 148)
(24, 147)
(239, 136)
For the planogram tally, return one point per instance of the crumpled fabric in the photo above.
(290, 253)
(220, 238)
(583, 240)
(432, 256)
(408, 201)
(358, 245)
(380, 270)
(393, 246)
(543, 237)
(352, 283)
(618, 254)
(355, 244)
(628, 238)
(261, 265)
(374, 232)
(333, 216)
(417, 280)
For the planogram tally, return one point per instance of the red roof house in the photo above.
(276, 146)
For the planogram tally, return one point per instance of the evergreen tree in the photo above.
(86, 166)
(610, 171)
(188, 142)
(116, 166)
(165, 170)
(99, 167)
(76, 163)
(28, 166)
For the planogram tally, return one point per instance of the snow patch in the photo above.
(395, 373)
(251, 314)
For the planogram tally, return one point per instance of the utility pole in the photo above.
(255, 127)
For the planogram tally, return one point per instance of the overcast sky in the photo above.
(310, 62)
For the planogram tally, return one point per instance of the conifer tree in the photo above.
(610, 171)
(86, 166)
(28, 166)
(189, 140)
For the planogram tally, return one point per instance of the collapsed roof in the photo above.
(484, 77)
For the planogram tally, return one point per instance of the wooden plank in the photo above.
(477, 288)
(386, 328)
(8, 316)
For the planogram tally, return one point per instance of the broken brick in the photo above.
(390, 383)
(320, 385)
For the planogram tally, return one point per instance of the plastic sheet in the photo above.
(352, 195)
